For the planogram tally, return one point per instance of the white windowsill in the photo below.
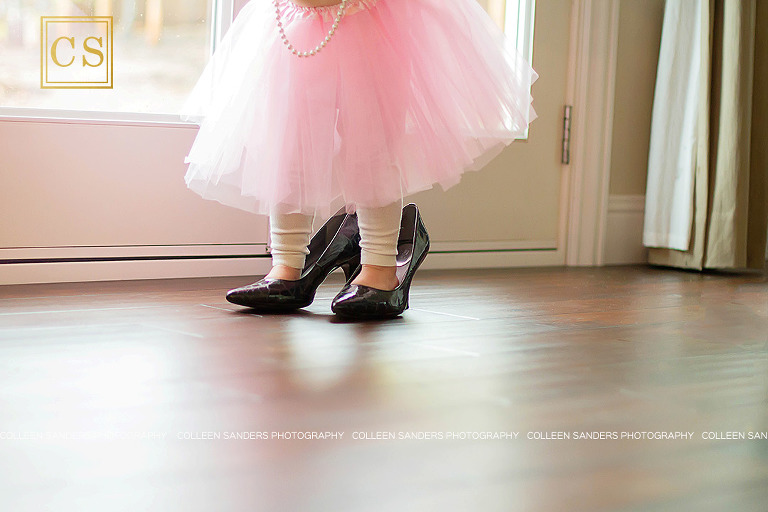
(35, 115)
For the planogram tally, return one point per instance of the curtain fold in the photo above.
(719, 218)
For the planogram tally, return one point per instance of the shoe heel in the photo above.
(410, 276)
(350, 266)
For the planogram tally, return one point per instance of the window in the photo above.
(516, 17)
(518, 25)
(160, 49)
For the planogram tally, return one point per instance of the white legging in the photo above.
(379, 230)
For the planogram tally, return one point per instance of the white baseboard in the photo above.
(72, 272)
(130, 269)
(500, 259)
(624, 230)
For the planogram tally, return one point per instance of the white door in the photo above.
(512, 207)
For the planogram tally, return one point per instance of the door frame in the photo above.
(591, 92)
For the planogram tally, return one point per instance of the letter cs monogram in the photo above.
(77, 52)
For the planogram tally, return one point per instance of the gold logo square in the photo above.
(76, 52)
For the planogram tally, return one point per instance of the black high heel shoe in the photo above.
(364, 302)
(336, 244)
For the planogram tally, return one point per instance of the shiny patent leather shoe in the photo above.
(363, 302)
(336, 244)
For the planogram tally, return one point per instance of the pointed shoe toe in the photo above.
(236, 296)
(364, 302)
(240, 296)
(271, 295)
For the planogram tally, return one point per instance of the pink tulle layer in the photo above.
(408, 94)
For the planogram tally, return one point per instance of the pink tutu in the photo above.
(407, 94)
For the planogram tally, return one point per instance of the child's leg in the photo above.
(289, 235)
(379, 230)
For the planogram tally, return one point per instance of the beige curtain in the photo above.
(730, 194)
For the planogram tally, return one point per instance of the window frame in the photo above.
(525, 19)
(527, 11)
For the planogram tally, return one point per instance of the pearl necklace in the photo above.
(323, 43)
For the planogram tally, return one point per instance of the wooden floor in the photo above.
(90, 371)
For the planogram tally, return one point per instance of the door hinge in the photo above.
(566, 157)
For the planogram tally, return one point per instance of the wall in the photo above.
(82, 201)
(760, 102)
(638, 55)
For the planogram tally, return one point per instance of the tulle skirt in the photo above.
(407, 94)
